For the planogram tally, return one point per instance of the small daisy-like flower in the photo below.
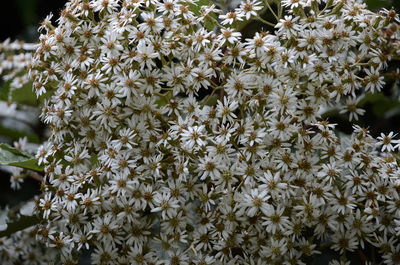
(253, 200)
(231, 18)
(230, 36)
(166, 204)
(374, 80)
(250, 8)
(193, 136)
(352, 109)
(387, 142)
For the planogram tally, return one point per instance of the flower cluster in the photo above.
(176, 141)
(15, 58)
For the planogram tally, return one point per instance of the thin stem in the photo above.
(272, 11)
(265, 22)
(190, 248)
(36, 176)
(216, 22)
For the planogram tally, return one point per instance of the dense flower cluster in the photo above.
(142, 168)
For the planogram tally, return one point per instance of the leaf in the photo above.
(380, 104)
(4, 90)
(25, 95)
(378, 4)
(18, 225)
(13, 154)
(31, 164)
(196, 9)
(14, 157)
(210, 100)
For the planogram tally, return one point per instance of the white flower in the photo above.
(250, 8)
(251, 201)
(351, 107)
(166, 204)
(47, 205)
(275, 221)
(229, 35)
(387, 141)
(146, 55)
(192, 137)
(374, 80)
(210, 167)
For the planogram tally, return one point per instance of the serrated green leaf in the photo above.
(14, 157)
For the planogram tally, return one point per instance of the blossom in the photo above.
(387, 141)
(250, 8)
(193, 136)
(173, 143)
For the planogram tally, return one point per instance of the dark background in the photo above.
(21, 18)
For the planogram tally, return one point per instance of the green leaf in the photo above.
(378, 4)
(17, 218)
(4, 90)
(18, 225)
(14, 157)
(196, 9)
(15, 154)
(210, 100)
(380, 104)
(31, 164)
(25, 95)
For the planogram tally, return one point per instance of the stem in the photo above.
(361, 255)
(212, 93)
(272, 11)
(265, 22)
(190, 248)
(216, 22)
(36, 176)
